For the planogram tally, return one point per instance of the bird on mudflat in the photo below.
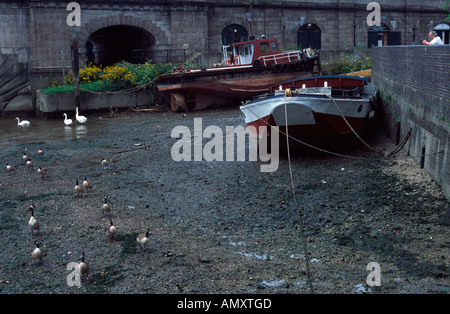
(42, 171)
(111, 230)
(142, 239)
(30, 163)
(79, 188)
(83, 267)
(106, 207)
(10, 168)
(105, 162)
(37, 253)
(87, 184)
(33, 223)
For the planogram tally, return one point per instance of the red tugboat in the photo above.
(253, 67)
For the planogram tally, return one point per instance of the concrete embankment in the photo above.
(49, 105)
(15, 92)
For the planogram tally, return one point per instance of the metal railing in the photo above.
(281, 57)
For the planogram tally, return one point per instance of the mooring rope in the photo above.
(401, 145)
(307, 144)
(351, 128)
(396, 150)
(299, 216)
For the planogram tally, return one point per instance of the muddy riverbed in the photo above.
(215, 226)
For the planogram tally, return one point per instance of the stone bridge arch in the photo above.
(155, 40)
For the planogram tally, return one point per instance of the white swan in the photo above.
(23, 123)
(67, 121)
(80, 119)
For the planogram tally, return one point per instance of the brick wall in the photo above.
(414, 86)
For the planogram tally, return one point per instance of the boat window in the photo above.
(274, 46)
(264, 46)
(242, 51)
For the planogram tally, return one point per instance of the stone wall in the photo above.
(41, 25)
(414, 83)
(15, 94)
(36, 33)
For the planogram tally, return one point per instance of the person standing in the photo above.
(435, 40)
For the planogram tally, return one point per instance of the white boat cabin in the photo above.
(258, 52)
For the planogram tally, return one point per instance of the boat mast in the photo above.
(251, 30)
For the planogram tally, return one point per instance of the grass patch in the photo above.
(104, 280)
(58, 89)
(92, 87)
(128, 244)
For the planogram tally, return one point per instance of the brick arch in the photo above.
(310, 39)
(222, 25)
(310, 20)
(238, 24)
(93, 25)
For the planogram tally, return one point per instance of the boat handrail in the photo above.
(225, 54)
(290, 55)
(307, 91)
(350, 91)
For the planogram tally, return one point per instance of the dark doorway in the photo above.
(382, 36)
(443, 31)
(394, 38)
(119, 43)
(309, 36)
(233, 33)
(377, 36)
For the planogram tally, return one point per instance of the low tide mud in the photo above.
(217, 226)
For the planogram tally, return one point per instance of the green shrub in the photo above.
(346, 65)
(120, 76)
